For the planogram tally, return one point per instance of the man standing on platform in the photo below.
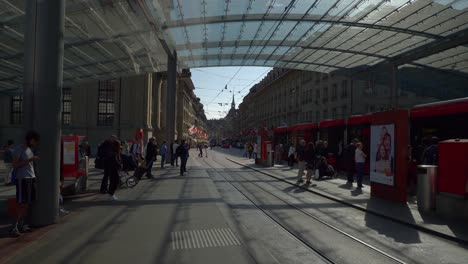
(349, 157)
(151, 152)
(174, 158)
(183, 152)
(300, 156)
(107, 153)
(23, 163)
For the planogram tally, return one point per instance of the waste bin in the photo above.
(427, 179)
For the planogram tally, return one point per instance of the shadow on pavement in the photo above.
(388, 228)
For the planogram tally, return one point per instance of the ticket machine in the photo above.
(74, 164)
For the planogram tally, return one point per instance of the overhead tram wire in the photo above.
(222, 76)
(225, 86)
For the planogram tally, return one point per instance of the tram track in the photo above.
(372, 251)
(423, 229)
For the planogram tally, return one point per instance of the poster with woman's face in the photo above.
(382, 154)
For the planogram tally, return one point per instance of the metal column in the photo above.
(43, 75)
(171, 97)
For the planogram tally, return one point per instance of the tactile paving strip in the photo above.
(203, 238)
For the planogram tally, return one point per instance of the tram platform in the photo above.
(337, 189)
(169, 219)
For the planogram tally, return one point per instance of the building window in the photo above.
(325, 114)
(344, 111)
(325, 94)
(106, 107)
(66, 106)
(334, 92)
(317, 116)
(344, 89)
(334, 113)
(16, 113)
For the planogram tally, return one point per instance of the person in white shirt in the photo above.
(174, 157)
(291, 157)
(360, 159)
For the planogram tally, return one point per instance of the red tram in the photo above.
(445, 120)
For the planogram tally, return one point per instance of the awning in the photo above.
(441, 108)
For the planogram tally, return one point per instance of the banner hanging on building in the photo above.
(382, 156)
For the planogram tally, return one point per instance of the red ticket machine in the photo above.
(453, 167)
(74, 164)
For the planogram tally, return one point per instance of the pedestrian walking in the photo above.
(8, 159)
(255, 151)
(106, 155)
(183, 152)
(300, 157)
(349, 159)
(174, 158)
(246, 151)
(206, 150)
(163, 154)
(113, 165)
(250, 149)
(200, 148)
(151, 152)
(360, 159)
(291, 157)
(25, 180)
(310, 157)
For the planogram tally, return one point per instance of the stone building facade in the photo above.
(119, 107)
(288, 97)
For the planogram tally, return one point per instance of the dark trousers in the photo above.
(174, 160)
(183, 165)
(350, 168)
(114, 180)
(163, 160)
(105, 179)
(291, 160)
(149, 167)
(360, 173)
(250, 154)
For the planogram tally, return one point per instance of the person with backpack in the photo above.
(8, 159)
(182, 151)
(25, 179)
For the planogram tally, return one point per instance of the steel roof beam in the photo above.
(454, 40)
(215, 44)
(293, 18)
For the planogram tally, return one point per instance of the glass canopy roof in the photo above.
(106, 39)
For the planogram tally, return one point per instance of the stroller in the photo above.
(133, 180)
(325, 169)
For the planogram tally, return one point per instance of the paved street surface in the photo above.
(222, 212)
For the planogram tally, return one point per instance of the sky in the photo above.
(210, 86)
